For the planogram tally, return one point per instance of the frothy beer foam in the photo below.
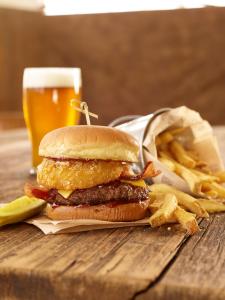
(52, 77)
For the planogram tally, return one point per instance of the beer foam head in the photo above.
(52, 77)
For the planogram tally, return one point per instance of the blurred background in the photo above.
(135, 56)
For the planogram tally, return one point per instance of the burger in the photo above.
(86, 173)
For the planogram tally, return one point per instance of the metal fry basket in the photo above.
(137, 126)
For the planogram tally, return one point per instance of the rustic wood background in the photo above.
(132, 63)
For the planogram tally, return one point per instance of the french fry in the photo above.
(212, 206)
(202, 165)
(181, 155)
(176, 131)
(195, 157)
(211, 194)
(220, 176)
(198, 182)
(187, 174)
(205, 177)
(187, 201)
(163, 140)
(156, 197)
(165, 154)
(213, 186)
(193, 154)
(205, 169)
(204, 189)
(187, 220)
(166, 137)
(168, 163)
(154, 206)
(172, 219)
(186, 164)
(191, 179)
(165, 212)
(157, 200)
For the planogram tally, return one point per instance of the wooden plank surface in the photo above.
(114, 263)
(124, 263)
(198, 272)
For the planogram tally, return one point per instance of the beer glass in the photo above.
(47, 93)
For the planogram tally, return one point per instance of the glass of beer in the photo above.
(47, 95)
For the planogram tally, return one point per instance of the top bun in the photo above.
(89, 142)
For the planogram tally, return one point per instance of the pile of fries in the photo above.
(169, 205)
(187, 164)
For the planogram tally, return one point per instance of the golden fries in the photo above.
(165, 211)
(166, 137)
(187, 164)
(187, 220)
(165, 154)
(176, 131)
(205, 177)
(213, 186)
(200, 164)
(220, 176)
(193, 154)
(187, 201)
(156, 200)
(154, 207)
(181, 155)
(191, 179)
(210, 194)
(212, 206)
(167, 162)
(169, 205)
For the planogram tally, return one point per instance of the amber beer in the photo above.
(47, 93)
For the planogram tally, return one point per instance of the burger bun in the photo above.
(118, 213)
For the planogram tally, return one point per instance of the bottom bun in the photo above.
(120, 212)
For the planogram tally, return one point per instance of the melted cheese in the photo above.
(140, 182)
(64, 193)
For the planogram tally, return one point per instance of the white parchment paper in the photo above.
(48, 226)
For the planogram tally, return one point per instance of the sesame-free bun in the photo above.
(119, 213)
(89, 142)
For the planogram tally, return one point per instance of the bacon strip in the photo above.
(148, 172)
(35, 190)
(41, 192)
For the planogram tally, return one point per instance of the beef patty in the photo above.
(116, 191)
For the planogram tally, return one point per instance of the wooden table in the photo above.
(129, 263)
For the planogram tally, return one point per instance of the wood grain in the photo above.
(111, 264)
(105, 264)
(129, 263)
(198, 272)
(132, 63)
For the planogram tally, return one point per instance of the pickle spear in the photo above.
(20, 209)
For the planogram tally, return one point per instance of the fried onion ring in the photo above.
(78, 174)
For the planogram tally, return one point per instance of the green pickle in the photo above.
(20, 209)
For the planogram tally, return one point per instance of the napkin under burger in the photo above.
(86, 174)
